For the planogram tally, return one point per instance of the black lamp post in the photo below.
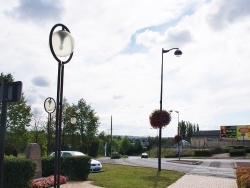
(177, 53)
(61, 45)
(50, 107)
(178, 127)
(243, 135)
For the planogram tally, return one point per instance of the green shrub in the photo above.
(18, 172)
(202, 153)
(187, 153)
(217, 150)
(227, 149)
(238, 147)
(47, 166)
(172, 152)
(169, 152)
(115, 156)
(247, 150)
(237, 152)
(74, 168)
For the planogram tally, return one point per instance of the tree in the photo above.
(88, 123)
(38, 130)
(36, 125)
(187, 129)
(82, 135)
(125, 145)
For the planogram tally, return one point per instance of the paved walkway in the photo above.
(187, 181)
(198, 181)
(78, 184)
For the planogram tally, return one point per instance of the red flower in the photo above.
(47, 182)
(177, 138)
(159, 118)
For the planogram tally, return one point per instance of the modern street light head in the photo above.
(174, 111)
(178, 53)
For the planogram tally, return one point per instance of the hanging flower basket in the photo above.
(159, 118)
(177, 138)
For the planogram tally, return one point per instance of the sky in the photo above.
(116, 66)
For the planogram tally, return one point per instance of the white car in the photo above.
(144, 155)
(96, 166)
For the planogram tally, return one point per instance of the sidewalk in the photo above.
(186, 181)
(78, 184)
(198, 181)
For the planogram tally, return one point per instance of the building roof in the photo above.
(207, 134)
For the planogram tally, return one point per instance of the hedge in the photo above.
(74, 168)
(202, 153)
(237, 152)
(18, 172)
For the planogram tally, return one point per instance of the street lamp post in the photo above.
(49, 106)
(111, 124)
(61, 45)
(178, 127)
(243, 135)
(177, 53)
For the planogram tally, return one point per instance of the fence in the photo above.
(217, 143)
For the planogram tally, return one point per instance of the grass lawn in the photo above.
(121, 176)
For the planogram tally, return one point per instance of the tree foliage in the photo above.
(187, 129)
(80, 136)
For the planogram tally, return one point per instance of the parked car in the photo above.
(144, 155)
(95, 166)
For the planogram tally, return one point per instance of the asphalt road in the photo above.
(208, 167)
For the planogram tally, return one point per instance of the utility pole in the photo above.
(111, 140)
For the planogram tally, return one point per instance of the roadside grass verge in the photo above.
(121, 176)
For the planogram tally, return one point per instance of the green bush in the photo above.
(202, 153)
(237, 152)
(247, 150)
(217, 150)
(18, 172)
(187, 153)
(74, 168)
(47, 166)
(115, 155)
(227, 149)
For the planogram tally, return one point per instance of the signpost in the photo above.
(9, 92)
